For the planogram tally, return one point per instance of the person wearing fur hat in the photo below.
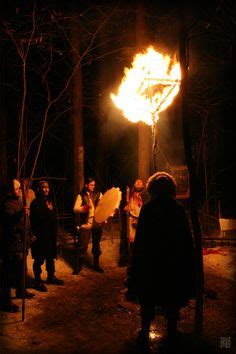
(44, 229)
(12, 218)
(163, 260)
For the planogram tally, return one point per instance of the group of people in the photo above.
(161, 267)
(27, 226)
(161, 262)
(34, 226)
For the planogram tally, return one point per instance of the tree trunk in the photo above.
(103, 80)
(192, 177)
(3, 128)
(77, 117)
(3, 147)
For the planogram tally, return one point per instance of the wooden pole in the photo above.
(183, 52)
(3, 130)
(206, 178)
(154, 145)
(24, 250)
(144, 139)
(127, 197)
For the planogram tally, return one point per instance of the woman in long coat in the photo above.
(163, 259)
(44, 230)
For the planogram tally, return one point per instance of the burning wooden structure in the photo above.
(148, 87)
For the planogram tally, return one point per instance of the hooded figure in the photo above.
(163, 261)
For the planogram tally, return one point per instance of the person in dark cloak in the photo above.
(44, 229)
(13, 228)
(163, 260)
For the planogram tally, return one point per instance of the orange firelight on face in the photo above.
(148, 86)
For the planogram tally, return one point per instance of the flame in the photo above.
(148, 87)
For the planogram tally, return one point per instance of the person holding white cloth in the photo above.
(85, 205)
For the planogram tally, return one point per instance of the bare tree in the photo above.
(43, 46)
(41, 36)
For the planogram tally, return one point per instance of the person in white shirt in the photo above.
(85, 205)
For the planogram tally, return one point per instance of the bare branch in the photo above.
(81, 57)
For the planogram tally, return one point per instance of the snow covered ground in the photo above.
(90, 315)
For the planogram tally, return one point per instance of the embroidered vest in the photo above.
(85, 201)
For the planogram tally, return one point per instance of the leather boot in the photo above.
(27, 295)
(96, 265)
(39, 285)
(9, 307)
(79, 266)
(52, 279)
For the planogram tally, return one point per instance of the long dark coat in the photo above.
(12, 225)
(163, 262)
(44, 228)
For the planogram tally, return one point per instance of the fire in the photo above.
(148, 87)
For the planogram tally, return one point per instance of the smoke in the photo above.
(170, 151)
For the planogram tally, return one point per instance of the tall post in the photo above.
(3, 142)
(24, 250)
(183, 52)
(206, 178)
(3, 125)
(143, 129)
(154, 145)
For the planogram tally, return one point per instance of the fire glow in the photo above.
(148, 87)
